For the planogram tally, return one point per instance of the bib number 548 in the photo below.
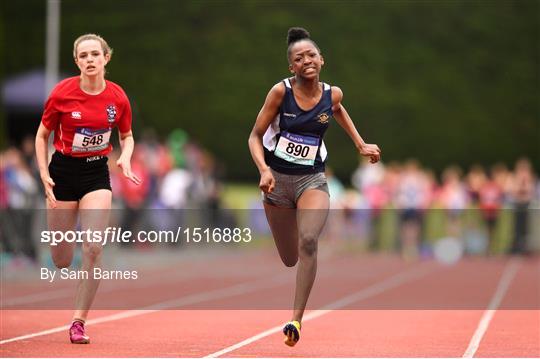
(94, 140)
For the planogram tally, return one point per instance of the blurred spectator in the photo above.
(134, 196)
(503, 178)
(206, 190)
(490, 201)
(475, 180)
(367, 174)
(453, 198)
(335, 188)
(453, 194)
(522, 194)
(391, 180)
(377, 185)
(369, 179)
(3, 183)
(28, 153)
(412, 198)
(157, 160)
(336, 215)
(176, 142)
(20, 191)
(174, 189)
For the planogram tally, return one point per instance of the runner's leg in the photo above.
(94, 210)
(62, 218)
(312, 213)
(283, 224)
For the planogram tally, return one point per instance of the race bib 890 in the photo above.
(87, 140)
(297, 149)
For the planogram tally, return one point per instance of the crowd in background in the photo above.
(414, 194)
(178, 173)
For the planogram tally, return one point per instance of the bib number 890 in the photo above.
(94, 140)
(297, 150)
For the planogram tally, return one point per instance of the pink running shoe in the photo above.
(76, 333)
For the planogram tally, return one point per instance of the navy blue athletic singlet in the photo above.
(293, 143)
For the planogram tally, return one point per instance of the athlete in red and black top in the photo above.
(82, 122)
(82, 111)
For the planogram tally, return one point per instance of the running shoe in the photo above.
(292, 333)
(76, 333)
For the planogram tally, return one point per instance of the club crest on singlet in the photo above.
(111, 113)
(323, 118)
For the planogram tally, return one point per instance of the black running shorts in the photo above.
(76, 176)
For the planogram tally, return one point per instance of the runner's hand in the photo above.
(372, 151)
(125, 165)
(267, 182)
(48, 184)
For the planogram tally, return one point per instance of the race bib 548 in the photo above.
(88, 140)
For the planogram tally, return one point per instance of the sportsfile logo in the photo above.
(76, 115)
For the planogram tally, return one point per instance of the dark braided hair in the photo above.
(296, 34)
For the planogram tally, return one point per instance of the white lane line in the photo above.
(373, 290)
(38, 297)
(150, 280)
(238, 289)
(504, 283)
(43, 296)
(234, 290)
(108, 318)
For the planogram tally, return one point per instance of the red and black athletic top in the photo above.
(82, 123)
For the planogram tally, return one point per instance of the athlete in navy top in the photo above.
(304, 151)
(287, 147)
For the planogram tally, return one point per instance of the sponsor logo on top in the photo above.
(76, 115)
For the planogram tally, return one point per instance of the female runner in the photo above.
(287, 146)
(82, 111)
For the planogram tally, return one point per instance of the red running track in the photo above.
(389, 308)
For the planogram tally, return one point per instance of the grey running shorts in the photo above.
(289, 188)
